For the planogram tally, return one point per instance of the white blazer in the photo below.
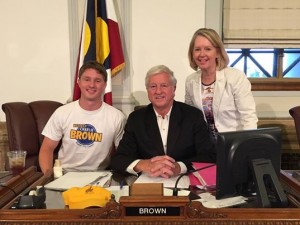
(233, 103)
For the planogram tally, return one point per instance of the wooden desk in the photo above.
(194, 213)
(12, 186)
(291, 185)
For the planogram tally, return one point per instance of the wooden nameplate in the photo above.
(146, 189)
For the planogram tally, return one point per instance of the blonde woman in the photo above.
(221, 92)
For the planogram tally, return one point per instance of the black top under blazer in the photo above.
(188, 137)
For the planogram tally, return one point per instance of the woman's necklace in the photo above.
(207, 80)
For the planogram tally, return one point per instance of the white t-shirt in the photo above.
(87, 136)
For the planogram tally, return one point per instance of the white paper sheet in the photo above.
(77, 179)
(184, 182)
(208, 200)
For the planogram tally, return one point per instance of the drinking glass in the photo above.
(16, 161)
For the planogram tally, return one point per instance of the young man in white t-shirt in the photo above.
(89, 128)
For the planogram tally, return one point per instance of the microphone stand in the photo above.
(175, 190)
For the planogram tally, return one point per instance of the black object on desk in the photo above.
(32, 201)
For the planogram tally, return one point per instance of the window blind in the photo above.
(261, 23)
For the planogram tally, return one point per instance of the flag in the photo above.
(100, 41)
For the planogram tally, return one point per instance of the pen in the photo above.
(108, 182)
(121, 184)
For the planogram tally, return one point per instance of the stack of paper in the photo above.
(79, 179)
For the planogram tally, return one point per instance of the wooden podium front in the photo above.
(160, 210)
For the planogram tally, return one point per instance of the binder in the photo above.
(205, 178)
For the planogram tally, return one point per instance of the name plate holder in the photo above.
(154, 206)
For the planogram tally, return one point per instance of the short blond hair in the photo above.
(216, 41)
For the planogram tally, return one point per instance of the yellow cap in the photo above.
(88, 196)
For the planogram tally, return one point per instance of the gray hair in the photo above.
(160, 69)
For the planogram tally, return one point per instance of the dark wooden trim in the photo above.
(270, 84)
(195, 214)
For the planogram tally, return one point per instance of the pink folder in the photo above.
(205, 178)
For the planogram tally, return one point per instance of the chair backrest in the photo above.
(137, 107)
(295, 113)
(25, 122)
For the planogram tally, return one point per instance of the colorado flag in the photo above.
(100, 40)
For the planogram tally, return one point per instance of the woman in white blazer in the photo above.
(222, 93)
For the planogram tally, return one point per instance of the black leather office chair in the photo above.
(295, 113)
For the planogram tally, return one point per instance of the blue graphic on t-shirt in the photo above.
(85, 134)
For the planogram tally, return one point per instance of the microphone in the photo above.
(175, 190)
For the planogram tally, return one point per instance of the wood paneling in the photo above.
(3, 145)
(289, 137)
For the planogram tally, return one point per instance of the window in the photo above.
(263, 40)
(268, 69)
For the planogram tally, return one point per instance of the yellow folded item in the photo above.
(88, 196)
